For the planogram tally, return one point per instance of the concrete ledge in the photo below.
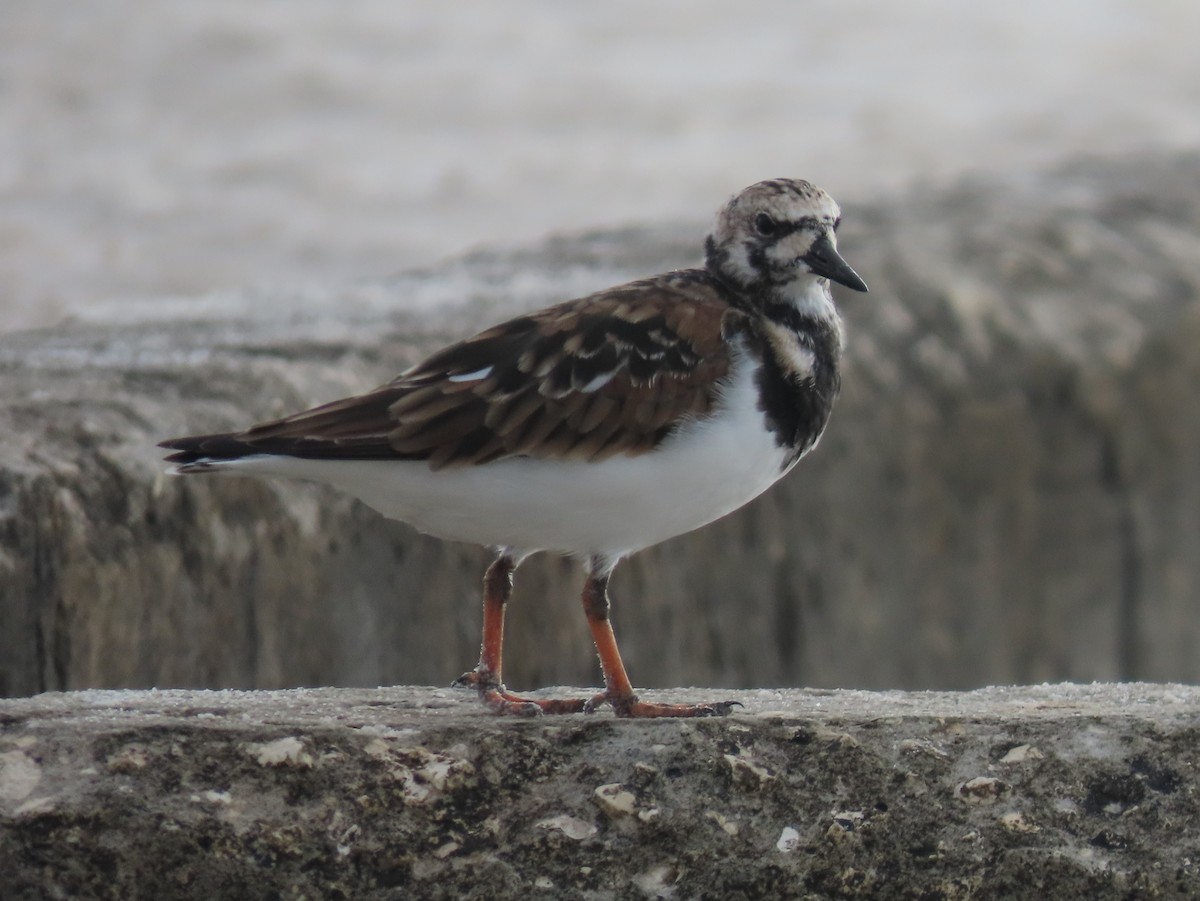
(1055, 791)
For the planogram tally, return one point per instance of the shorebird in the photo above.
(596, 427)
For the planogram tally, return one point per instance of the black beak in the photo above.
(824, 260)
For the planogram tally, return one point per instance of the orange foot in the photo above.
(493, 693)
(630, 706)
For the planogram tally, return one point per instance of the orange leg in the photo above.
(618, 691)
(486, 677)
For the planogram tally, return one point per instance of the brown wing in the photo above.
(612, 373)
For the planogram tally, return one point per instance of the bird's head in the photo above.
(779, 236)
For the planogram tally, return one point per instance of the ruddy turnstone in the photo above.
(596, 427)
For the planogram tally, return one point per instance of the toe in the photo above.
(510, 705)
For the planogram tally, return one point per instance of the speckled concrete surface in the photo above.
(1062, 791)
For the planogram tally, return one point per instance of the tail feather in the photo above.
(204, 453)
(195, 453)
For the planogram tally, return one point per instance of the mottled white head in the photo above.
(779, 236)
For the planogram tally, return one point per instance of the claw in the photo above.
(724, 708)
(592, 704)
(478, 679)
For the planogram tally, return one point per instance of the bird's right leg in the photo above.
(486, 677)
(618, 691)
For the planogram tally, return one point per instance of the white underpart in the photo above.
(707, 469)
(472, 376)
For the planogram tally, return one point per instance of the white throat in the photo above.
(809, 295)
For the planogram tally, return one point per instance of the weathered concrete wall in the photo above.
(1063, 792)
(1008, 492)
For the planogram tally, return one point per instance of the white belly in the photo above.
(707, 469)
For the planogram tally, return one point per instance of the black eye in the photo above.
(765, 225)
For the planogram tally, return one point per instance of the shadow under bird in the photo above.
(596, 427)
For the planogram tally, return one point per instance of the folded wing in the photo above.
(612, 373)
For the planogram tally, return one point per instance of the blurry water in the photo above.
(152, 147)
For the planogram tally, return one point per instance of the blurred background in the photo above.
(204, 208)
(151, 148)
